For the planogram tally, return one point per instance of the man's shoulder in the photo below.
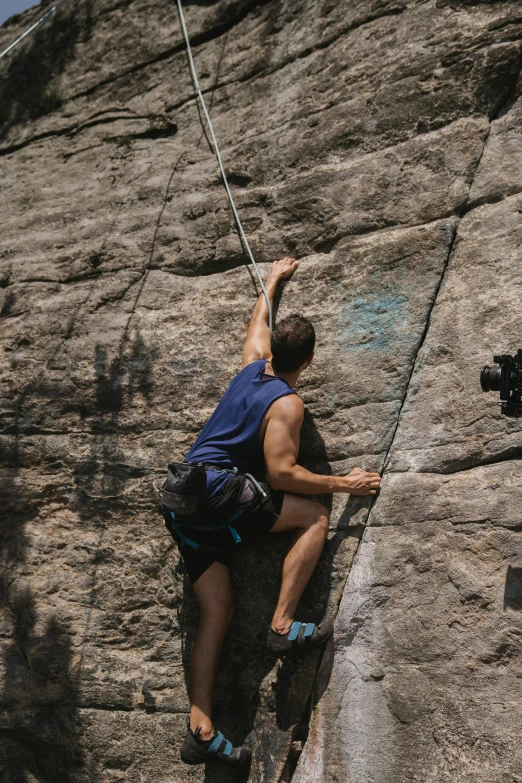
(289, 405)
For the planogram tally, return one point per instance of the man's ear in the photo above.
(309, 360)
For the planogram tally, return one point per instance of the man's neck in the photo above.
(290, 377)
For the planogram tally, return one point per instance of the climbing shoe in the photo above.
(300, 636)
(216, 750)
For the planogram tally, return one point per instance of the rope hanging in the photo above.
(30, 30)
(210, 126)
(218, 156)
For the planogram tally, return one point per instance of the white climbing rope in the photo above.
(209, 122)
(218, 156)
(30, 30)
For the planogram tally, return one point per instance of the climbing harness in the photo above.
(179, 503)
(185, 484)
(220, 162)
(34, 26)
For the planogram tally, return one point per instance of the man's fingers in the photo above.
(364, 482)
(290, 270)
(285, 267)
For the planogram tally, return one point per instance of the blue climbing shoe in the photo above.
(300, 636)
(216, 750)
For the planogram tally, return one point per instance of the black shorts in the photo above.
(237, 497)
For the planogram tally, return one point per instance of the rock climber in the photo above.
(254, 429)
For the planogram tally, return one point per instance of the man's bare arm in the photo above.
(281, 446)
(257, 343)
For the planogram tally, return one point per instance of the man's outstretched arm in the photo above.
(257, 343)
(281, 446)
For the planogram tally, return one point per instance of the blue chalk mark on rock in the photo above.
(374, 322)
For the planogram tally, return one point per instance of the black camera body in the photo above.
(507, 379)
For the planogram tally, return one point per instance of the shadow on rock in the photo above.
(38, 713)
(513, 588)
(30, 88)
(39, 699)
(101, 478)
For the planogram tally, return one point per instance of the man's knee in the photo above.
(318, 516)
(322, 518)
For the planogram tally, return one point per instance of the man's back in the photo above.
(230, 438)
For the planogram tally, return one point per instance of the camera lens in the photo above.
(490, 378)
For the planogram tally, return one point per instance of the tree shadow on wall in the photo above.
(38, 702)
(251, 679)
(39, 733)
(29, 88)
(40, 728)
(101, 478)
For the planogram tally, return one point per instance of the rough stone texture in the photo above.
(423, 681)
(380, 142)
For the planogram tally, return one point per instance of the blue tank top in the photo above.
(230, 438)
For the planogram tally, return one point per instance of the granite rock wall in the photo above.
(380, 142)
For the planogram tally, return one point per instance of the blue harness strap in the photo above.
(184, 539)
(177, 525)
(233, 531)
(235, 535)
(235, 516)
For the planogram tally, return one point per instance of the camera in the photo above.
(507, 379)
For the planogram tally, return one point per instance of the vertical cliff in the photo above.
(379, 141)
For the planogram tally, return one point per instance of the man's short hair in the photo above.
(292, 342)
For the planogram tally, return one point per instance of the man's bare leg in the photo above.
(311, 520)
(214, 592)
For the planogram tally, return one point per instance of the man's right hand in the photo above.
(362, 482)
(283, 268)
(281, 447)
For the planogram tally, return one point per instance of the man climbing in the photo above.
(255, 428)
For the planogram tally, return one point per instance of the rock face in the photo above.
(379, 141)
